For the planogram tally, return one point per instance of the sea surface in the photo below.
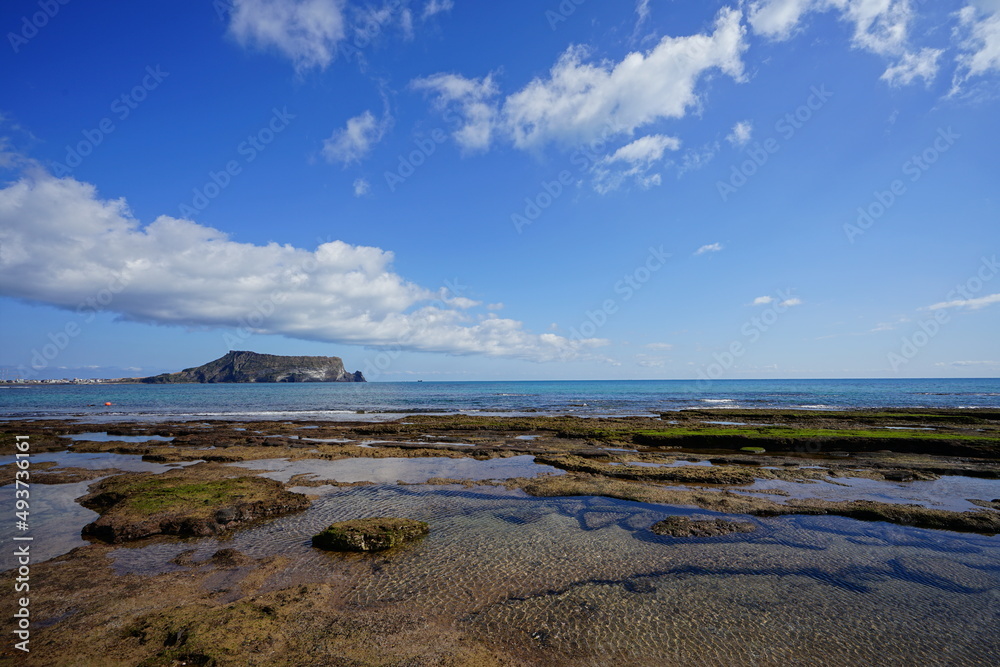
(389, 400)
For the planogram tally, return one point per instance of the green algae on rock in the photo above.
(376, 534)
(190, 502)
(680, 526)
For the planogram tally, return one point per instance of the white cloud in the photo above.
(437, 6)
(763, 300)
(304, 31)
(711, 247)
(354, 141)
(361, 187)
(981, 44)
(406, 23)
(61, 244)
(642, 13)
(880, 26)
(778, 19)
(971, 304)
(923, 64)
(740, 134)
(788, 303)
(640, 155)
(645, 149)
(474, 99)
(580, 100)
(660, 346)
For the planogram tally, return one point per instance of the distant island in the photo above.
(242, 366)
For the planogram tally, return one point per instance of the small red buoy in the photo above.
(108, 403)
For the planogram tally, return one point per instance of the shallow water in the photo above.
(950, 492)
(98, 461)
(55, 518)
(102, 436)
(409, 470)
(582, 580)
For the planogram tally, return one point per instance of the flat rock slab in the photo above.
(376, 534)
(679, 526)
(198, 501)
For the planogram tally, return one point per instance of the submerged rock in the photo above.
(369, 534)
(680, 526)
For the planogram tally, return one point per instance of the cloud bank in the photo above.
(61, 244)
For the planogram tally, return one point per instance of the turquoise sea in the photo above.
(383, 400)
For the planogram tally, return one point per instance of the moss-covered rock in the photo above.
(369, 534)
(680, 526)
(683, 474)
(190, 502)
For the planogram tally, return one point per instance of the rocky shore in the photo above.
(234, 608)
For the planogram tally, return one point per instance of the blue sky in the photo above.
(448, 190)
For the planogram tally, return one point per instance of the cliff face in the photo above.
(239, 366)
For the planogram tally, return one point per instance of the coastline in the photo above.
(824, 476)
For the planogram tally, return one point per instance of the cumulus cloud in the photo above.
(353, 142)
(304, 31)
(662, 347)
(880, 26)
(740, 134)
(763, 300)
(62, 244)
(971, 304)
(712, 247)
(473, 99)
(579, 100)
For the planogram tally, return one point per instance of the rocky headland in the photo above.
(242, 366)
